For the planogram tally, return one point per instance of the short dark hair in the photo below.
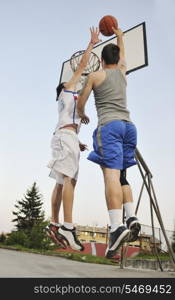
(59, 89)
(110, 54)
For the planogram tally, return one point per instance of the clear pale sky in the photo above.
(36, 37)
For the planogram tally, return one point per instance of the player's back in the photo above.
(98, 77)
(109, 87)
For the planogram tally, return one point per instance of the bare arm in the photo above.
(120, 44)
(84, 60)
(83, 97)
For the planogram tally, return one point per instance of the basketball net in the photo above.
(92, 65)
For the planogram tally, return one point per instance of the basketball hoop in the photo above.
(92, 65)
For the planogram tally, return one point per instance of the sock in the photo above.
(115, 216)
(55, 224)
(129, 209)
(68, 225)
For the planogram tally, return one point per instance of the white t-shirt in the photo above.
(67, 111)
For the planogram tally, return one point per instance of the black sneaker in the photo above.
(52, 232)
(135, 227)
(116, 239)
(71, 238)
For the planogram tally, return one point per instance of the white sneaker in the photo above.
(70, 236)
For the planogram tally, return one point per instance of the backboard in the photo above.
(135, 50)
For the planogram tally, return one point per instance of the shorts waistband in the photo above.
(64, 130)
(106, 123)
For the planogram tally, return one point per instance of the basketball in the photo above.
(106, 24)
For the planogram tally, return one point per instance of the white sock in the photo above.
(55, 224)
(129, 209)
(116, 218)
(68, 225)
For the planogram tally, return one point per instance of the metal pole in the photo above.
(139, 199)
(154, 203)
(143, 163)
(163, 230)
(153, 231)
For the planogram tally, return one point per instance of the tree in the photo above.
(30, 223)
(29, 210)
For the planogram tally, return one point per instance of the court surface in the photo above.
(21, 264)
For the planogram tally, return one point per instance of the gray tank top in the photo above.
(110, 98)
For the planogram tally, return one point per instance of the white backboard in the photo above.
(135, 51)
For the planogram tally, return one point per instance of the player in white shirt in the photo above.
(66, 148)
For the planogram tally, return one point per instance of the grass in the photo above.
(162, 256)
(86, 258)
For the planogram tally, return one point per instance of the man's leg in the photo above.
(131, 220)
(53, 227)
(127, 195)
(68, 197)
(114, 196)
(68, 230)
(56, 202)
(114, 200)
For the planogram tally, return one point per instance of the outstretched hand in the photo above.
(117, 31)
(95, 35)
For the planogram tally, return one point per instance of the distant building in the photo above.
(92, 234)
(148, 243)
(145, 242)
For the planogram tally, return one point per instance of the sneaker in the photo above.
(135, 227)
(52, 232)
(116, 239)
(70, 236)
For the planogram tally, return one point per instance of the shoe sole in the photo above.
(134, 231)
(123, 238)
(71, 246)
(58, 241)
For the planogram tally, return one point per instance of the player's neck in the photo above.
(111, 66)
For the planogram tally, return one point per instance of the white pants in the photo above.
(65, 155)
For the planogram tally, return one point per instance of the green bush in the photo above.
(17, 238)
(36, 238)
(2, 238)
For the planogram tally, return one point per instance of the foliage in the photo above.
(36, 238)
(29, 210)
(30, 223)
(17, 237)
(2, 237)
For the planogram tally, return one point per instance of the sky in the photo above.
(36, 38)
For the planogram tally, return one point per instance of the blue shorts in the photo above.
(114, 145)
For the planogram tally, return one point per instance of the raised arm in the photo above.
(84, 60)
(120, 44)
(83, 97)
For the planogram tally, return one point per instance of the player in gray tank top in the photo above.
(114, 141)
(110, 98)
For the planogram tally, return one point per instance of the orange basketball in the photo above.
(106, 24)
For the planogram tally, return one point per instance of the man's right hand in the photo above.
(118, 31)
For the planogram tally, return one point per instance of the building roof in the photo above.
(92, 229)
